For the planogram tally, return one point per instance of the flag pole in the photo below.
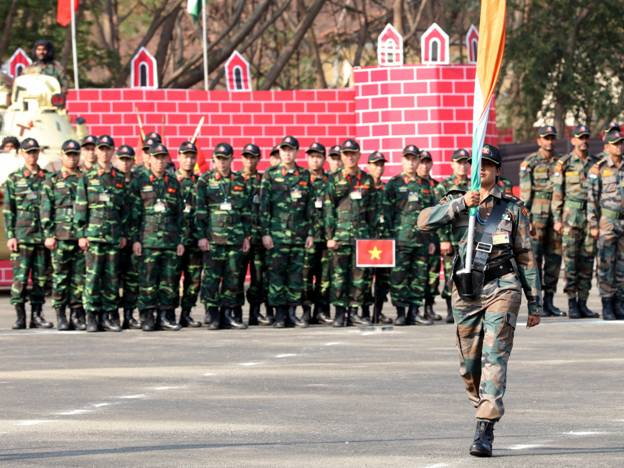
(74, 52)
(205, 44)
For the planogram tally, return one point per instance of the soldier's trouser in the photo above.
(28, 260)
(349, 284)
(314, 262)
(409, 277)
(221, 283)
(610, 270)
(485, 332)
(128, 277)
(158, 279)
(447, 261)
(68, 264)
(380, 286)
(433, 280)
(547, 248)
(578, 254)
(190, 268)
(254, 259)
(285, 273)
(101, 285)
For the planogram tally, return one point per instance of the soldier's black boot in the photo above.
(378, 313)
(449, 311)
(607, 308)
(269, 318)
(20, 312)
(212, 318)
(618, 308)
(483, 439)
(37, 320)
(231, 319)
(166, 323)
(400, 319)
(129, 322)
(109, 323)
(77, 318)
(92, 322)
(311, 313)
(61, 319)
(429, 312)
(324, 316)
(187, 321)
(147, 320)
(416, 316)
(294, 320)
(238, 314)
(340, 319)
(254, 314)
(585, 311)
(357, 319)
(573, 310)
(549, 307)
(280, 316)
(306, 316)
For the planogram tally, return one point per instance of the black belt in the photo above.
(497, 271)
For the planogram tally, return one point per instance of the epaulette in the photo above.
(562, 160)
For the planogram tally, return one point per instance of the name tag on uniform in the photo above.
(225, 206)
(187, 208)
(147, 188)
(607, 173)
(413, 196)
(21, 183)
(60, 185)
(500, 239)
(31, 196)
(295, 194)
(94, 181)
(159, 207)
(104, 197)
(318, 203)
(357, 195)
(403, 189)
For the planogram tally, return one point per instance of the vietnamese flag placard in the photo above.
(378, 253)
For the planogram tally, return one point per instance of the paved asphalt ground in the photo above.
(319, 397)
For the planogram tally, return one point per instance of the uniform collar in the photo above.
(611, 162)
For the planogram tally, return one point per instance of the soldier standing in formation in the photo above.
(349, 215)
(536, 187)
(486, 301)
(88, 158)
(22, 199)
(459, 180)
(333, 160)
(605, 216)
(569, 209)
(59, 230)
(286, 213)
(223, 223)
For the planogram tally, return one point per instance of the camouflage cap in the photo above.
(614, 136)
(89, 140)
(460, 154)
(547, 130)
(581, 130)
(376, 156)
(350, 146)
(316, 147)
(70, 147)
(158, 149)
(187, 147)
(252, 150)
(125, 151)
(411, 150)
(290, 141)
(30, 144)
(491, 153)
(223, 150)
(105, 141)
(334, 151)
(11, 140)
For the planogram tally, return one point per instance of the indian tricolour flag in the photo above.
(193, 7)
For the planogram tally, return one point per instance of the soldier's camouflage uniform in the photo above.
(605, 211)
(53, 69)
(405, 198)
(380, 277)
(506, 185)
(349, 215)
(190, 264)
(536, 186)
(432, 288)
(225, 229)
(57, 221)
(286, 213)
(569, 206)
(22, 198)
(486, 325)
(128, 268)
(101, 216)
(157, 223)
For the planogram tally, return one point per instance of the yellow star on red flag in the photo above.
(375, 253)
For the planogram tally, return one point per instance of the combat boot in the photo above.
(109, 323)
(230, 317)
(379, 315)
(294, 320)
(585, 311)
(483, 439)
(147, 320)
(212, 318)
(311, 313)
(255, 316)
(607, 308)
(306, 316)
(61, 319)
(37, 320)
(400, 319)
(238, 314)
(356, 319)
(429, 312)
(549, 307)
(280, 317)
(92, 322)
(20, 312)
(449, 311)
(187, 321)
(129, 322)
(324, 316)
(340, 319)
(618, 308)
(417, 317)
(166, 323)
(77, 318)
(573, 310)
(269, 318)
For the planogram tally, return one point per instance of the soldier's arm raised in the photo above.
(434, 217)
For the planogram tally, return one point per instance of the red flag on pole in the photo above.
(378, 253)
(63, 11)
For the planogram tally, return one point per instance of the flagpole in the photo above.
(74, 52)
(205, 44)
